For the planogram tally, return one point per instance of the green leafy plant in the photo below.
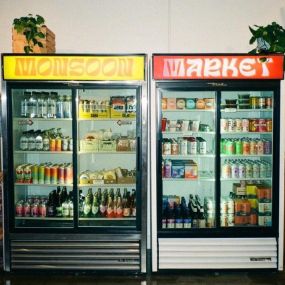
(269, 39)
(30, 27)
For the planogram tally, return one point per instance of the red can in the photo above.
(47, 174)
(53, 174)
(34, 210)
(269, 125)
(262, 126)
(42, 210)
(60, 174)
(68, 174)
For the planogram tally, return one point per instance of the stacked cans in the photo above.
(45, 173)
(227, 208)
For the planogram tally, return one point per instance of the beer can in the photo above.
(269, 125)
(253, 147)
(245, 125)
(231, 125)
(41, 175)
(267, 147)
(54, 174)
(224, 125)
(262, 126)
(52, 144)
(253, 125)
(245, 147)
(262, 103)
(58, 144)
(35, 174)
(60, 174)
(238, 124)
(268, 103)
(68, 174)
(254, 102)
(47, 174)
(260, 147)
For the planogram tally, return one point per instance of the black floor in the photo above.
(205, 278)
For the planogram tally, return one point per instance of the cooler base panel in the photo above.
(103, 254)
(217, 253)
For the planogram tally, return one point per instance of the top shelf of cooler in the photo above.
(42, 119)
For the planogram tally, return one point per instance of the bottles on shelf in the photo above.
(107, 203)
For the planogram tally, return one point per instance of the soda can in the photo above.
(224, 125)
(260, 147)
(253, 125)
(53, 174)
(262, 103)
(248, 170)
(20, 177)
(64, 144)
(41, 174)
(239, 146)
(235, 170)
(268, 102)
(231, 125)
(238, 124)
(58, 144)
(245, 125)
(35, 174)
(52, 144)
(269, 125)
(230, 147)
(255, 170)
(223, 143)
(262, 126)
(19, 208)
(70, 144)
(47, 174)
(226, 170)
(241, 170)
(68, 174)
(183, 146)
(253, 147)
(245, 147)
(254, 102)
(60, 174)
(267, 147)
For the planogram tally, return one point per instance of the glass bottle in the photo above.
(110, 207)
(95, 206)
(45, 141)
(67, 107)
(32, 105)
(39, 140)
(24, 141)
(51, 105)
(59, 107)
(25, 104)
(127, 205)
(87, 205)
(31, 140)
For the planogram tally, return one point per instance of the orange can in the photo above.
(58, 143)
(253, 219)
(269, 125)
(52, 144)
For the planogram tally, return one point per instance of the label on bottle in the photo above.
(134, 212)
(171, 224)
(86, 209)
(187, 224)
(164, 223)
(179, 224)
(95, 210)
(39, 143)
(24, 143)
(126, 212)
(119, 212)
(65, 210)
(46, 144)
(59, 211)
(110, 212)
(103, 210)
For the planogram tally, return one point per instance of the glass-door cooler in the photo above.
(217, 168)
(74, 162)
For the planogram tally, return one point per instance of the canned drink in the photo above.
(241, 170)
(230, 147)
(64, 144)
(245, 125)
(27, 209)
(52, 144)
(262, 126)
(41, 174)
(231, 125)
(53, 174)
(202, 146)
(174, 148)
(20, 177)
(255, 170)
(183, 146)
(260, 147)
(268, 102)
(267, 147)
(47, 174)
(167, 168)
(253, 147)
(238, 124)
(68, 174)
(58, 144)
(224, 125)
(19, 208)
(70, 144)
(253, 125)
(235, 170)
(245, 147)
(269, 125)
(60, 174)
(28, 174)
(239, 147)
(262, 103)
(35, 173)
(223, 143)
(226, 170)
(254, 102)
(166, 147)
(248, 170)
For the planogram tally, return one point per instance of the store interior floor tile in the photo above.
(205, 278)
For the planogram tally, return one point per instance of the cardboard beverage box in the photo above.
(118, 107)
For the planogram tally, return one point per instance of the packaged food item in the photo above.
(200, 104)
(163, 103)
(84, 178)
(118, 106)
(123, 144)
(209, 103)
(180, 103)
(190, 103)
(131, 106)
(171, 103)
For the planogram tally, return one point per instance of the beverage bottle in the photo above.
(178, 216)
(24, 141)
(133, 203)
(191, 199)
(165, 212)
(112, 194)
(58, 202)
(95, 206)
(124, 199)
(31, 140)
(185, 214)
(59, 107)
(27, 209)
(25, 105)
(171, 218)
(41, 106)
(52, 136)
(67, 107)
(45, 141)
(81, 203)
(118, 192)
(119, 208)
(87, 204)
(50, 205)
(51, 105)
(39, 140)
(194, 212)
(65, 206)
(110, 207)
(103, 205)
(58, 140)
(127, 205)
(32, 105)
(70, 204)
(201, 218)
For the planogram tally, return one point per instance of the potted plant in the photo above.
(30, 27)
(269, 39)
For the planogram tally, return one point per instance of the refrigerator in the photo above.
(74, 156)
(217, 162)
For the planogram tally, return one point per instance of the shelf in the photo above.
(48, 185)
(179, 156)
(245, 156)
(41, 152)
(190, 133)
(42, 119)
(107, 219)
(245, 179)
(187, 110)
(246, 133)
(234, 110)
(106, 152)
(45, 218)
(188, 179)
(107, 185)
(107, 119)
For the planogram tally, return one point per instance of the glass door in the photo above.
(108, 140)
(187, 156)
(42, 157)
(246, 158)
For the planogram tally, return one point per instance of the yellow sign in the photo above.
(73, 67)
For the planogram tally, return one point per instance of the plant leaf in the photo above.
(40, 44)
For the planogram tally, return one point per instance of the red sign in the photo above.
(167, 67)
